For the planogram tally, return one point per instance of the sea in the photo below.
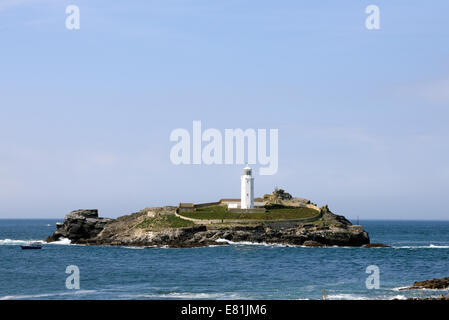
(419, 251)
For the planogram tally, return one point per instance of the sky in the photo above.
(86, 115)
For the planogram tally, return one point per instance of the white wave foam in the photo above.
(418, 289)
(195, 295)
(62, 241)
(249, 243)
(438, 247)
(430, 246)
(284, 245)
(399, 297)
(17, 242)
(347, 296)
(399, 288)
(46, 295)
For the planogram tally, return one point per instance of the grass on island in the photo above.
(164, 222)
(279, 213)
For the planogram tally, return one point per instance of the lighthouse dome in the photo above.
(247, 171)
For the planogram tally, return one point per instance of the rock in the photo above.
(311, 243)
(441, 283)
(79, 225)
(376, 245)
(440, 297)
(82, 213)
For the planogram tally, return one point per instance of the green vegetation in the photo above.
(273, 213)
(164, 222)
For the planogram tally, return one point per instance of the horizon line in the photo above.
(368, 219)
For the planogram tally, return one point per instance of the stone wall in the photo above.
(253, 210)
(207, 204)
(215, 221)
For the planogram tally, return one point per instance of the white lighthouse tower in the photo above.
(247, 192)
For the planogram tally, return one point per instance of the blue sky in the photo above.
(85, 115)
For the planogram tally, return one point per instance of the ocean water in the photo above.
(420, 251)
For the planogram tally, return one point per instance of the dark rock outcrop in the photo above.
(79, 225)
(85, 227)
(440, 297)
(376, 245)
(311, 243)
(441, 283)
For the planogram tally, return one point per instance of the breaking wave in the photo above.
(430, 246)
(62, 241)
(193, 295)
(249, 243)
(417, 289)
(347, 296)
(46, 295)
(133, 248)
(17, 242)
(399, 288)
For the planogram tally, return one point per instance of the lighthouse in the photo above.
(247, 191)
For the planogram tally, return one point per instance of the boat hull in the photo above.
(30, 247)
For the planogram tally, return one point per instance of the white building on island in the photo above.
(246, 203)
(247, 189)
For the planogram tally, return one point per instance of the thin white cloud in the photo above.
(435, 91)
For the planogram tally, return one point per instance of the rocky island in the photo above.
(281, 219)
